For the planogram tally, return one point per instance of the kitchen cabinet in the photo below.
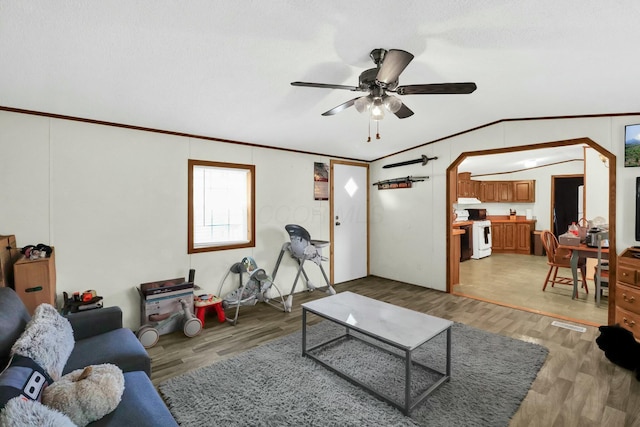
(503, 237)
(454, 265)
(627, 292)
(511, 236)
(523, 238)
(504, 191)
(497, 237)
(507, 191)
(465, 188)
(476, 188)
(466, 185)
(488, 191)
(524, 191)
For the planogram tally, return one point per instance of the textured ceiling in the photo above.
(223, 68)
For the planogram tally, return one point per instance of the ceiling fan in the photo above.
(381, 80)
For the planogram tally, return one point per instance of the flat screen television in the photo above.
(632, 145)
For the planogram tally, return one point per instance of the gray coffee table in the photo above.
(398, 327)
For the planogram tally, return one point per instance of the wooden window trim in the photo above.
(251, 217)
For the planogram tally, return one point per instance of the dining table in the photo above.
(577, 252)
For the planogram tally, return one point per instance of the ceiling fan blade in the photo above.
(325, 86)
(394, 62)
(437, 89)
(343, 106)
(404, 112)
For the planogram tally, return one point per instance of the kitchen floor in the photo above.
(516, 281)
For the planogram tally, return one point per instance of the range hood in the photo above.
(468, 201)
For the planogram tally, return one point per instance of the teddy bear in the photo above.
(88, 394)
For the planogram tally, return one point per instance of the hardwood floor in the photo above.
(516, 280)
(577, 386)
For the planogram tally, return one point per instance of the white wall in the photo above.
(408, 240)
(113, 202)
(596, 180)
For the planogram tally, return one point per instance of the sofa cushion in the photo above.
(119, 347)
(13, 319)
(141, 405)
(47, 339)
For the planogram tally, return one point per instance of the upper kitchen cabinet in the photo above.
(488, 191)
(507, 191)
(465, 185)
(524, 191)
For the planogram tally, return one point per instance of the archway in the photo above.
(452, 171)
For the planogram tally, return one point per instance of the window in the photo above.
(221, 206)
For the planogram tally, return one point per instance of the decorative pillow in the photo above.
(47, 339)
(20, 413)
(86, 395)
(23, 377)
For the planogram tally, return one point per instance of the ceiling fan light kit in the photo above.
(377, 110)
(384, 78)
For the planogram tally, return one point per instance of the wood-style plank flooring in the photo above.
(577, 386)
(516, 280)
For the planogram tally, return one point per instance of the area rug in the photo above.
(273, 385)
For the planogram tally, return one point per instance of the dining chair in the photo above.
(601, 277)
(560, 258)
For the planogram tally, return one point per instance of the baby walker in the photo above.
(254, 290)
(302, 248)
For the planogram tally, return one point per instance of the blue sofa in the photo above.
(99, 338)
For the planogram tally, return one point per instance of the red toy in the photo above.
(205, 302)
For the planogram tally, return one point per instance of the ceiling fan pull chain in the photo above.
(369, 138)
(377, 129)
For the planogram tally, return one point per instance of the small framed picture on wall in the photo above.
(632, 145)
(321, 181)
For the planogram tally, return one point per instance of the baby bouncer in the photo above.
(303, 248)
(255, 289)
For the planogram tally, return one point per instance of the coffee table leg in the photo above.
(304, 331)
(407, 383)
(449, 352)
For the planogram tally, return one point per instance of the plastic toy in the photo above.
(191, 326)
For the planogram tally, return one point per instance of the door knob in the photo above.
(337, 222)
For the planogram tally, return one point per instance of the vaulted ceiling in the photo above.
(223, 68)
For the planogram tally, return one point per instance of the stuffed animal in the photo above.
(47, 340)
(21, 412)
(620, 347)
(88, 394)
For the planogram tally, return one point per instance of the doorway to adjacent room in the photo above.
(479, 279)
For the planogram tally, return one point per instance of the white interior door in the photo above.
(350, 218)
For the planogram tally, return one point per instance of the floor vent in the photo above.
(569, 326)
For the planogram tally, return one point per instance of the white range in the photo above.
(481, 232)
